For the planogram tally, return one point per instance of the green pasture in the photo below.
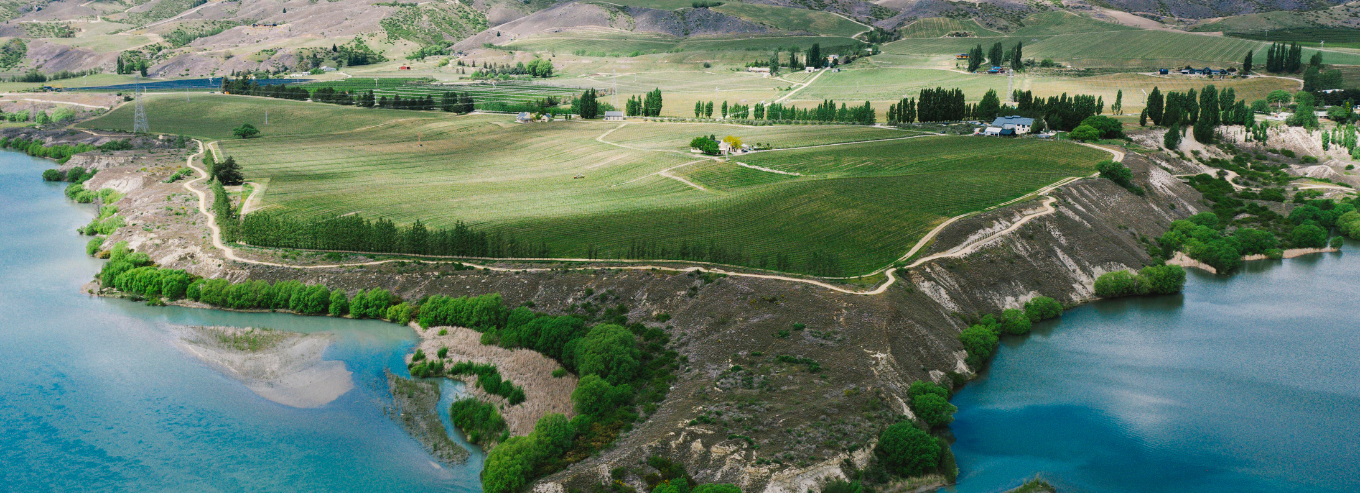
(884, 85)
(481, 92)
(1130, 48)
(676, 137)
(629, 45)
(1062, 22)
(593, 188)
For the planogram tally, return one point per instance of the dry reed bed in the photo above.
(533, 371)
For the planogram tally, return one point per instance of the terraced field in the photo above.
(858, 206)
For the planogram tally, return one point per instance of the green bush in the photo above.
(1119, 283)
(608, 351)
(980, 341)
(480, 421)
(1308, 236)
(1156, 279)
(510, 465)
(594, 396)
(339, 304)
(1042, 308)
(1014, 322)
(922, 387)
(934, 410)
(1084, 133)
(54, 175)
(907, 451)
(92, 247)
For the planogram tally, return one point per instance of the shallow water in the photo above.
(1243, 383)
(94, 395)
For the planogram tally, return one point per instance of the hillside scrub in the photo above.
(907, 451)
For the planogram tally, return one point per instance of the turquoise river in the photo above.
(1245, 383)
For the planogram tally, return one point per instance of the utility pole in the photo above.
(266, 116)
(139, 124)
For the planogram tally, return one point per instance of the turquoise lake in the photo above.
(95, 397)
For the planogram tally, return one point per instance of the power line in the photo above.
(139, 125)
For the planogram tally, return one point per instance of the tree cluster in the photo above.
(34, 147)
(648, 106)
(353, 233)
(1151, 280)
(1284, 59)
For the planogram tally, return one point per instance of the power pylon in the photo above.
(139, 125)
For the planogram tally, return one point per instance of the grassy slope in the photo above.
(791, 19)
(934, 27)
(1090, 43)
(328, 160)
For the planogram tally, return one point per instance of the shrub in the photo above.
(608, 351)
(339, 305)
(1157, 279)
(980, 342)
(509, 466)
(480, 421)
(933, 409)
(922, 387)
(1308, 236)
(1014, 322)
(1163, 279)
(53, 175)
(1119, 283)
(1042, 308)
(907, 451)
(92, 247)
(596, 397)
(1084, 133)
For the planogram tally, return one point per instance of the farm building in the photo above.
(1009, 125)
(810, 69)
(961, 56)
(758, 70)
(613, 116)
(524, 117)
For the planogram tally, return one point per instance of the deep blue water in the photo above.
(182, 84)
(94, 396)
(1244, 383)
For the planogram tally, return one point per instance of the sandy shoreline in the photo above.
(1184, 260)
(283, 367)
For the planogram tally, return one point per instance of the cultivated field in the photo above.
(1118, 47)
(593, 188)
(884, 85)
(934, 27)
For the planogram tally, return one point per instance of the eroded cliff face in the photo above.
(740, 413)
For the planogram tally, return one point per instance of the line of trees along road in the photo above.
(948, 105)
(356, 234)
